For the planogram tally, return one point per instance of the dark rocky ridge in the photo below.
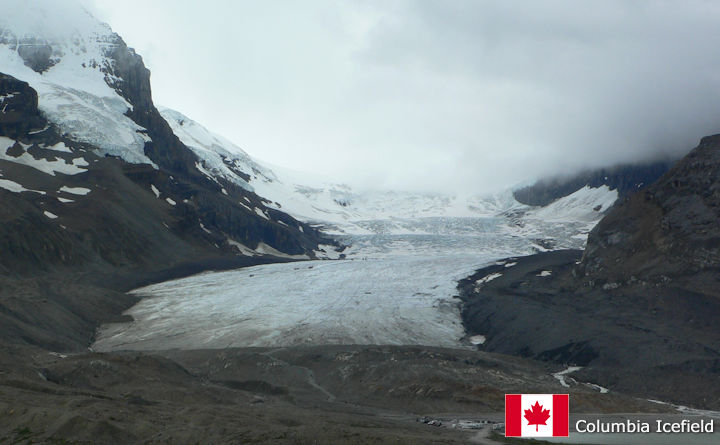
(131, 79)
(640, 308)
(626, 179)
(667, 235)
(20, 108)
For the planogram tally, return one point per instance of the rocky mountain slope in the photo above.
(639, 308)
(97, 194)
(666, 236)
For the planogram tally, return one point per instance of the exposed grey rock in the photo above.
(37, 56)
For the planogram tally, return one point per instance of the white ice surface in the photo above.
(417, 246)
(403, 300)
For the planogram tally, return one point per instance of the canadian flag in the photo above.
(537, 415)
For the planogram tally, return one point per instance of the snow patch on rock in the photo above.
(265, 249)
(75, 190)
(488, 278)
(14, 187)
(477, 339)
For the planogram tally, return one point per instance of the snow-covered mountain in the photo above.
(338, 208)
(71, 60)
(89, 170)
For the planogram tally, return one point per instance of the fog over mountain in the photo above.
(467, 93)
(421, 94)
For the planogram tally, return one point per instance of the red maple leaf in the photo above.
(536, 415)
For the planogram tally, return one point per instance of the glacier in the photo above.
(393, 288)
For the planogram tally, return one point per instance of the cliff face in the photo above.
(666, 235)
(19, 105)
(127, 74)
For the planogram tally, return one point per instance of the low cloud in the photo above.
(460, 95)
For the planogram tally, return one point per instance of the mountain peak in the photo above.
(53, 21)
(44, 33)
(71, 59)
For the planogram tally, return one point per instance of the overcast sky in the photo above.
(428, 95)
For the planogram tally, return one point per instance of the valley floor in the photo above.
(299, 395)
